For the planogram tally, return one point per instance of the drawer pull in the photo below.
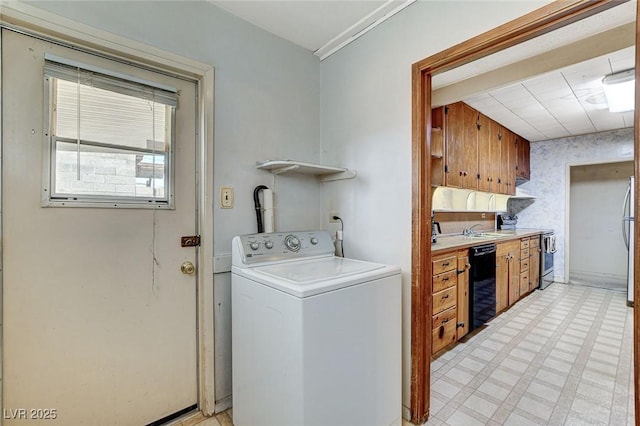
(445, 279)
(446, 320)
(446, 296)
(445, 264)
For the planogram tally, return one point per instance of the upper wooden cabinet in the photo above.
(461, 146)
(471, 151)
(523, 169)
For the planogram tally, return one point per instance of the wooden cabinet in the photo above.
(462, 326)
(471, 151)
(507, 274)
(508, 161)
(449, 298)
(534, 263)
(524, 267)
(523, 168)
(461, 146)
(488, 154)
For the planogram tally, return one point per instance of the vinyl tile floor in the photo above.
(561, 356)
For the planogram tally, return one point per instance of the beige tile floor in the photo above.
(562, 356)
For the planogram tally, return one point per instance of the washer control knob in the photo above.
(292, 243)
(314, 240)
(268, 245)
(254, 245)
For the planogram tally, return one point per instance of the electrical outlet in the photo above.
(226, 197)
(331, 219)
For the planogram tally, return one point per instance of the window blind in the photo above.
(92, 78)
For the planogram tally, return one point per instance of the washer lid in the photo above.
(310, 277)
(312, 271)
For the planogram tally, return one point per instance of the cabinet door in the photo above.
(534, 264)
(484, 153)
(523, 151)
(454, 144)
(512, 164)
(503, 178)
(494, 156)
(470, 148)
(463, 294)
(502, 282)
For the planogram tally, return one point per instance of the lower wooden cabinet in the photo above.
(534, 263)
(517, 274)
(449, 298)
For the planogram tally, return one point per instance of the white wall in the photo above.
(549, 174)
(266, 107)
(366, 125)
(597, 252)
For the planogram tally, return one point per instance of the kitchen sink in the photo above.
(487, 235)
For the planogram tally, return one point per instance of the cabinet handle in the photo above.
(441, 331)
(446, 296)
(446, 320)
(445, 279)
(445, 264)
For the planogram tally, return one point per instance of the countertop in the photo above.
(453, 242)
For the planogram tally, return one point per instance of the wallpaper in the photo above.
(550, 162)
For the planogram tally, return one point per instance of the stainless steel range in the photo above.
(548, 246)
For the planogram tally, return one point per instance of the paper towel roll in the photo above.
(268, 218)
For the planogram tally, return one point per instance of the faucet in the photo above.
(469, 231)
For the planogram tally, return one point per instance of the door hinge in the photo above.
(190, 241)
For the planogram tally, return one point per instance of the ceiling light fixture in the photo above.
(619, 88)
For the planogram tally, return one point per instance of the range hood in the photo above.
(454, 199)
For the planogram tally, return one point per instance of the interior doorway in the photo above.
(598, 256)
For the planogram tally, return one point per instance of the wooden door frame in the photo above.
(541, 21)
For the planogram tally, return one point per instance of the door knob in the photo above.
(188, 268)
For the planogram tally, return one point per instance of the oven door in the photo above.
(546, 260)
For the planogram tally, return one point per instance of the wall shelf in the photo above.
(324, 173)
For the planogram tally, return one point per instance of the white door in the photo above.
(99, 322)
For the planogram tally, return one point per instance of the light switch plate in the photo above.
(226, 197)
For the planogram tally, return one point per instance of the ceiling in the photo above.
(321, 26)
(546, 88)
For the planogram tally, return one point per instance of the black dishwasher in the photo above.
(482, 285)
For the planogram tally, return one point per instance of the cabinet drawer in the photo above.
(534, 243)
(524, 254)
(445, 280)
(445, 317)
(444, 265)
(443, 300)
(524, 264)
(524, 283)
(443, 336)
(524, 244)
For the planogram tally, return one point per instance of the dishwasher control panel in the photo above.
(280, 246)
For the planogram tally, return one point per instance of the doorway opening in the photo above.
(598, 256)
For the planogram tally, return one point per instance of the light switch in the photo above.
(226, 197)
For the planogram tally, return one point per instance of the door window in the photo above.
(109, 139)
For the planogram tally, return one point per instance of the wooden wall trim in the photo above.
(636, 233)
(541, 21)
(421, 249)
(531, 25)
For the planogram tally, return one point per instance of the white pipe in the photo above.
(268, 218)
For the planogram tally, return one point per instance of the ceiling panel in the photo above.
(566, 102)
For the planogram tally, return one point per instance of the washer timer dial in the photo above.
(292, 243)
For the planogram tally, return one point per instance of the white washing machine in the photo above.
(316, 338)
